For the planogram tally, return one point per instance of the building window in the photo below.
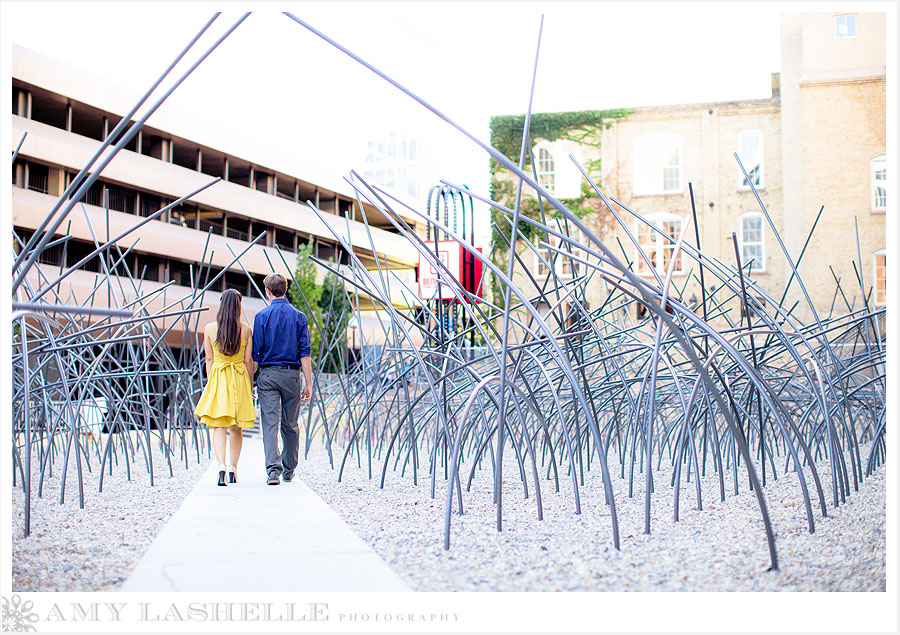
(750, 151)
(555, 172)
(878, 172)
(657, 164)
(565, 266)
(544, 257)
(546, 170)
(212, 221)
(844, 26)
(38, 177)
(659, 247)
(121, 199)
(392, 163)
(150, 204)
(285, 239)
(95, 195)
(147, 267)
(751, 240)
(52, 255)
(880, 258)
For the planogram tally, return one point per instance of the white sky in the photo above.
(278, 95)
(275, 94)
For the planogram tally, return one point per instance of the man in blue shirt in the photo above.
(281, 348)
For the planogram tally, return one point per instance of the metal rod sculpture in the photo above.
(559, 385)
(97, 385)
(537, 379)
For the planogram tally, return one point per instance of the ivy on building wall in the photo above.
(583, 127)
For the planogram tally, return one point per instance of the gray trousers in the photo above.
(278, 391)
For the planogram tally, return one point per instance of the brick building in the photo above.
(819, 139)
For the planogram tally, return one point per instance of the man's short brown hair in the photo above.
(276, 284)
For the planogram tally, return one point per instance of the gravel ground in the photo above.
(722, 548)
(95, 548)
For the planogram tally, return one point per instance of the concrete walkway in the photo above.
(257, 537)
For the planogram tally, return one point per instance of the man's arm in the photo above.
(305, 359)
(258, 339)
(306, 363)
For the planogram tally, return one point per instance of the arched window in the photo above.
(556, 171)
(751, 240)
(657, 164)
(878, 172)
(546, 170)
(658, 246)
(750, 151)
(880, 263)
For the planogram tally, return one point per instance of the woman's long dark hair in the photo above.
(229, 322)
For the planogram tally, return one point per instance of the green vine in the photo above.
(506, 136)
(506, 130)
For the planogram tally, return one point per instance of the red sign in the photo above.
(460, 262)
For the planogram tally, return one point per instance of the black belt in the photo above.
(282, 366)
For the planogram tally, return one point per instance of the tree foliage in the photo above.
(336, 312)
(506, 136)
(330, 308)
(305, 295)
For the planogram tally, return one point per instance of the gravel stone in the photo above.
(95, 548)
(721, 548)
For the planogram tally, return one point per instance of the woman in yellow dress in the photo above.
(227, 400)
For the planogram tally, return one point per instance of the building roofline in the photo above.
(775, 98)
(707, 105)
(78, 84)
(637, 110)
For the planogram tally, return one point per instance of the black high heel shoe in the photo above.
(222, 478)
(232, 474)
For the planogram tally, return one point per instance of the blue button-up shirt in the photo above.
(280, 334)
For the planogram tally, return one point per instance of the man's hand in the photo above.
(306, 363)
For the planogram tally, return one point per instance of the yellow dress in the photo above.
(227, 399)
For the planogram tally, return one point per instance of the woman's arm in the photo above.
(208, 352)
(247, 334)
